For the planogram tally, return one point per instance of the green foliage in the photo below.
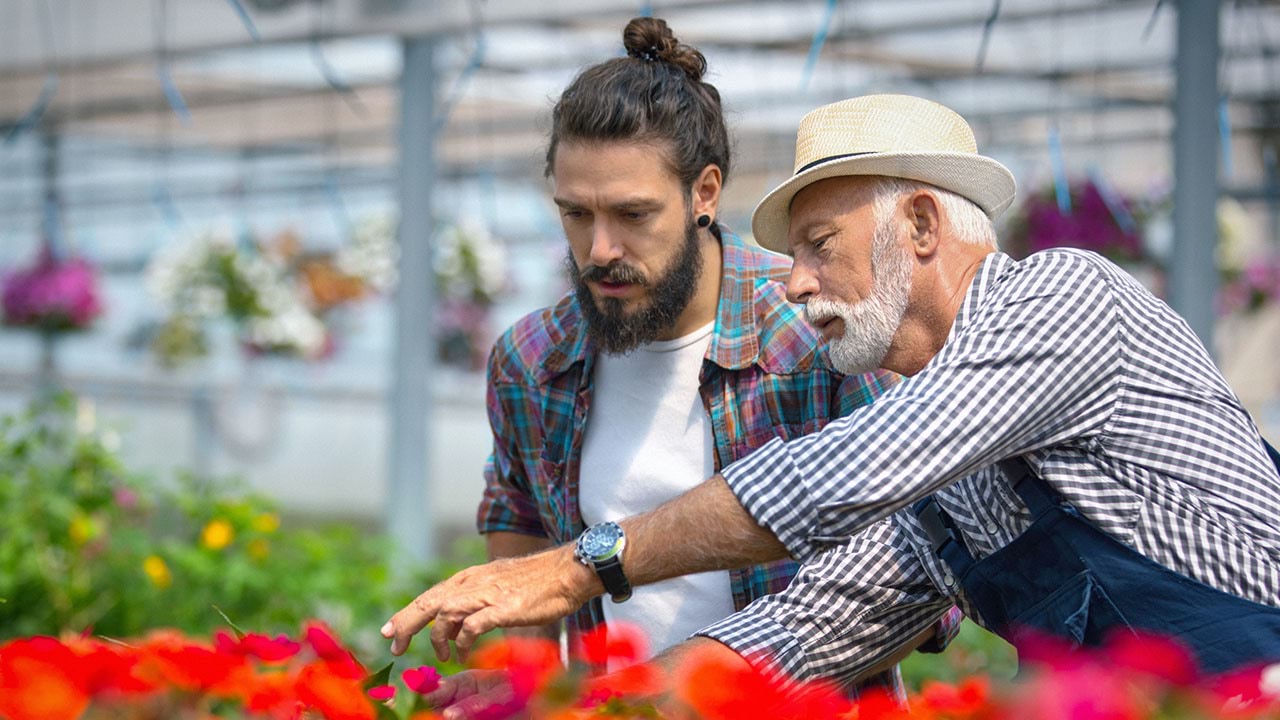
(89, 545)
(974, 651)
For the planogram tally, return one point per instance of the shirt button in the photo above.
(991, 528)
(948, 580)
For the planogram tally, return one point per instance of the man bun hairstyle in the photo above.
(654, 94)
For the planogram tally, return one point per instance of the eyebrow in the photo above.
(620, 206)
(806, 234)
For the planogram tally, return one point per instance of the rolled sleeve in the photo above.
(772, 490)
(849, 609)
(505, 508)
(508, 504)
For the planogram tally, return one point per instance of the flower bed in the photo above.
(244, 675)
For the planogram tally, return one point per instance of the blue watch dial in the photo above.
(602, 541)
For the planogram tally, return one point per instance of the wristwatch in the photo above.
(600, 548)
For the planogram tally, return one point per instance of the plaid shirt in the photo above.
(765, 376)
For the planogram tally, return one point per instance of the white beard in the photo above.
(869, 325)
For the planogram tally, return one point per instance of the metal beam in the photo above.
(1193, 276)
(409, 519)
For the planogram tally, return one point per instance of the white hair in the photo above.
(967, 220)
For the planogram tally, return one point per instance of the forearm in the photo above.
(704, 529)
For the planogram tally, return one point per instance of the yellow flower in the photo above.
(217, 534)
(266, 522)
(157, 571)
(82, 529)
(259, 548)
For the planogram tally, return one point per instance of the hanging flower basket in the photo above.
(53, 295)
(1097, 218)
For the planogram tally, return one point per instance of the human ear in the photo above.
(926, 219)
(706, 191)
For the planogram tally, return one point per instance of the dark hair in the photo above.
(654, 94)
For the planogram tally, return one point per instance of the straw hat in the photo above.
(892, 135)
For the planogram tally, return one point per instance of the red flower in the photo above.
(263, 647)
(635, 681)
(615, 641)
(530, 662)
(167, 657)
(879, 704)
(38, 681)
(327, 648)
(1160, 657)
(966, 700)
(717, 684)
(322, 686)
(421, 680)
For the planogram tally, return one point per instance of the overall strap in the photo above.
(943, 536)
(1272, 453)
(1034, 491)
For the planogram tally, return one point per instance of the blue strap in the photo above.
(1272, 453)
(943, 536)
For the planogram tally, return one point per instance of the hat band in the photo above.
(835, 157)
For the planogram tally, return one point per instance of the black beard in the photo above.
(609, 327)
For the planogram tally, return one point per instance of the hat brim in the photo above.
(982, 180)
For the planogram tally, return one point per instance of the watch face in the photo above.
(601, 541)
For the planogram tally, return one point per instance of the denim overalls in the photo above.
(1066, 578)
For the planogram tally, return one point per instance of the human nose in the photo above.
(802, 284)
(605, 247)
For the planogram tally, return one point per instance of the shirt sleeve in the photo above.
(1037, 366)
(508, 504)
(853, 605)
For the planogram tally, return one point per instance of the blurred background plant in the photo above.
(214, 278)
(471, 276)
(54, 294)
(1091, 216)
(90, 545)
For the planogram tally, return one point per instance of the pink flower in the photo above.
(382, 693)
(125, 497)
(421, 680)
(53, 294)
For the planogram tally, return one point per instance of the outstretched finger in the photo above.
(476, 624)
(409, 621)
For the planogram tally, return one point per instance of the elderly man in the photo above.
(1065, 457)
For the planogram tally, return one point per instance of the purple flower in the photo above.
(52, 295)
(1091, 225)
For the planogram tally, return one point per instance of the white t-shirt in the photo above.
(648, 439)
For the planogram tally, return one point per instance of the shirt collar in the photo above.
(739, 348)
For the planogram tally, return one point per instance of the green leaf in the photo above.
(239, 633)
(382, 677)
(385, 713)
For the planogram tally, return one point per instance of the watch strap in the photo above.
(614, 579)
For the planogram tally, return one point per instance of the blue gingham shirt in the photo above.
(1062, 357)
